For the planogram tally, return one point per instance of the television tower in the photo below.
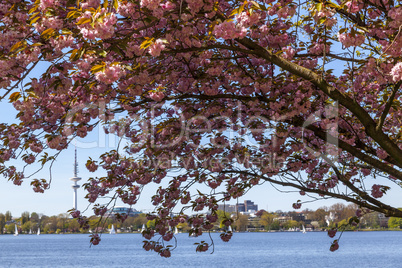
(75, 179)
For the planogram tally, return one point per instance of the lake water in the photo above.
(251, 250)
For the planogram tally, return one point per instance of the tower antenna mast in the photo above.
(75, 179)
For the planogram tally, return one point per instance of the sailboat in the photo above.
(143, 228)
(176, 231)
(112, 231)
(38, 233)
(303, 229)
(230, 228)
(16, 230)
(30, 231)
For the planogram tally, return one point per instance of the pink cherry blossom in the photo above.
(228, 30)
(95, 239)
(396, 72)
(156, 48)
(334, 246)
(157, 96)
(349, 40)
(332, 232)
(376, 191)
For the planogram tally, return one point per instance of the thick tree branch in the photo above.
(389, 212)
(353, 151)
(299, 122)
(370, 126)
(356, 190)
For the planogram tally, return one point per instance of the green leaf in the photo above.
(115, 4)
(14, 96)
(48, 32)
(73, 14)
(20, 44)
(66, 31)
(103, 53)
(34, 20)
(84, 20)
(98, 68)
(258, 6)
(73, 54)
(146, 43)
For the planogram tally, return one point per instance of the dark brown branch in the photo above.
(353, 151)
(356, 190)
(388, 106)
(391, 213)
(369, 124)
(203, 48)
(331, 55)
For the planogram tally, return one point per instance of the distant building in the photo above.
(283, 219)
(248, 206)
(383, 220)
(131, 212)
(298, 216)
(227, 208)
(250, 213)
(240, 207)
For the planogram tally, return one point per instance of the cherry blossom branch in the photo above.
(370, 126)
(392, 212)
(21, 79)
(353, 151)
(360, 193)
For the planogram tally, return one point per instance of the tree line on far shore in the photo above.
(260, 221)
(63, 223)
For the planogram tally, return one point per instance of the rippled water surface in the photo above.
(248, 250)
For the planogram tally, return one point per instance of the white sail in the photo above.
(176, 231)
(16, 230)
(303, 230)
(112, 231)
(30, 231)
(143, 228)
(38, 233)
(229, 228)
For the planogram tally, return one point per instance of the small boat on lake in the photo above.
(16, 230)
(112, 231)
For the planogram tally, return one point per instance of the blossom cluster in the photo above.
(396, 73)
(376, 191)
(156, 48)
(103, 27)
(348, 39)
(111, 74)
(229, 30)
